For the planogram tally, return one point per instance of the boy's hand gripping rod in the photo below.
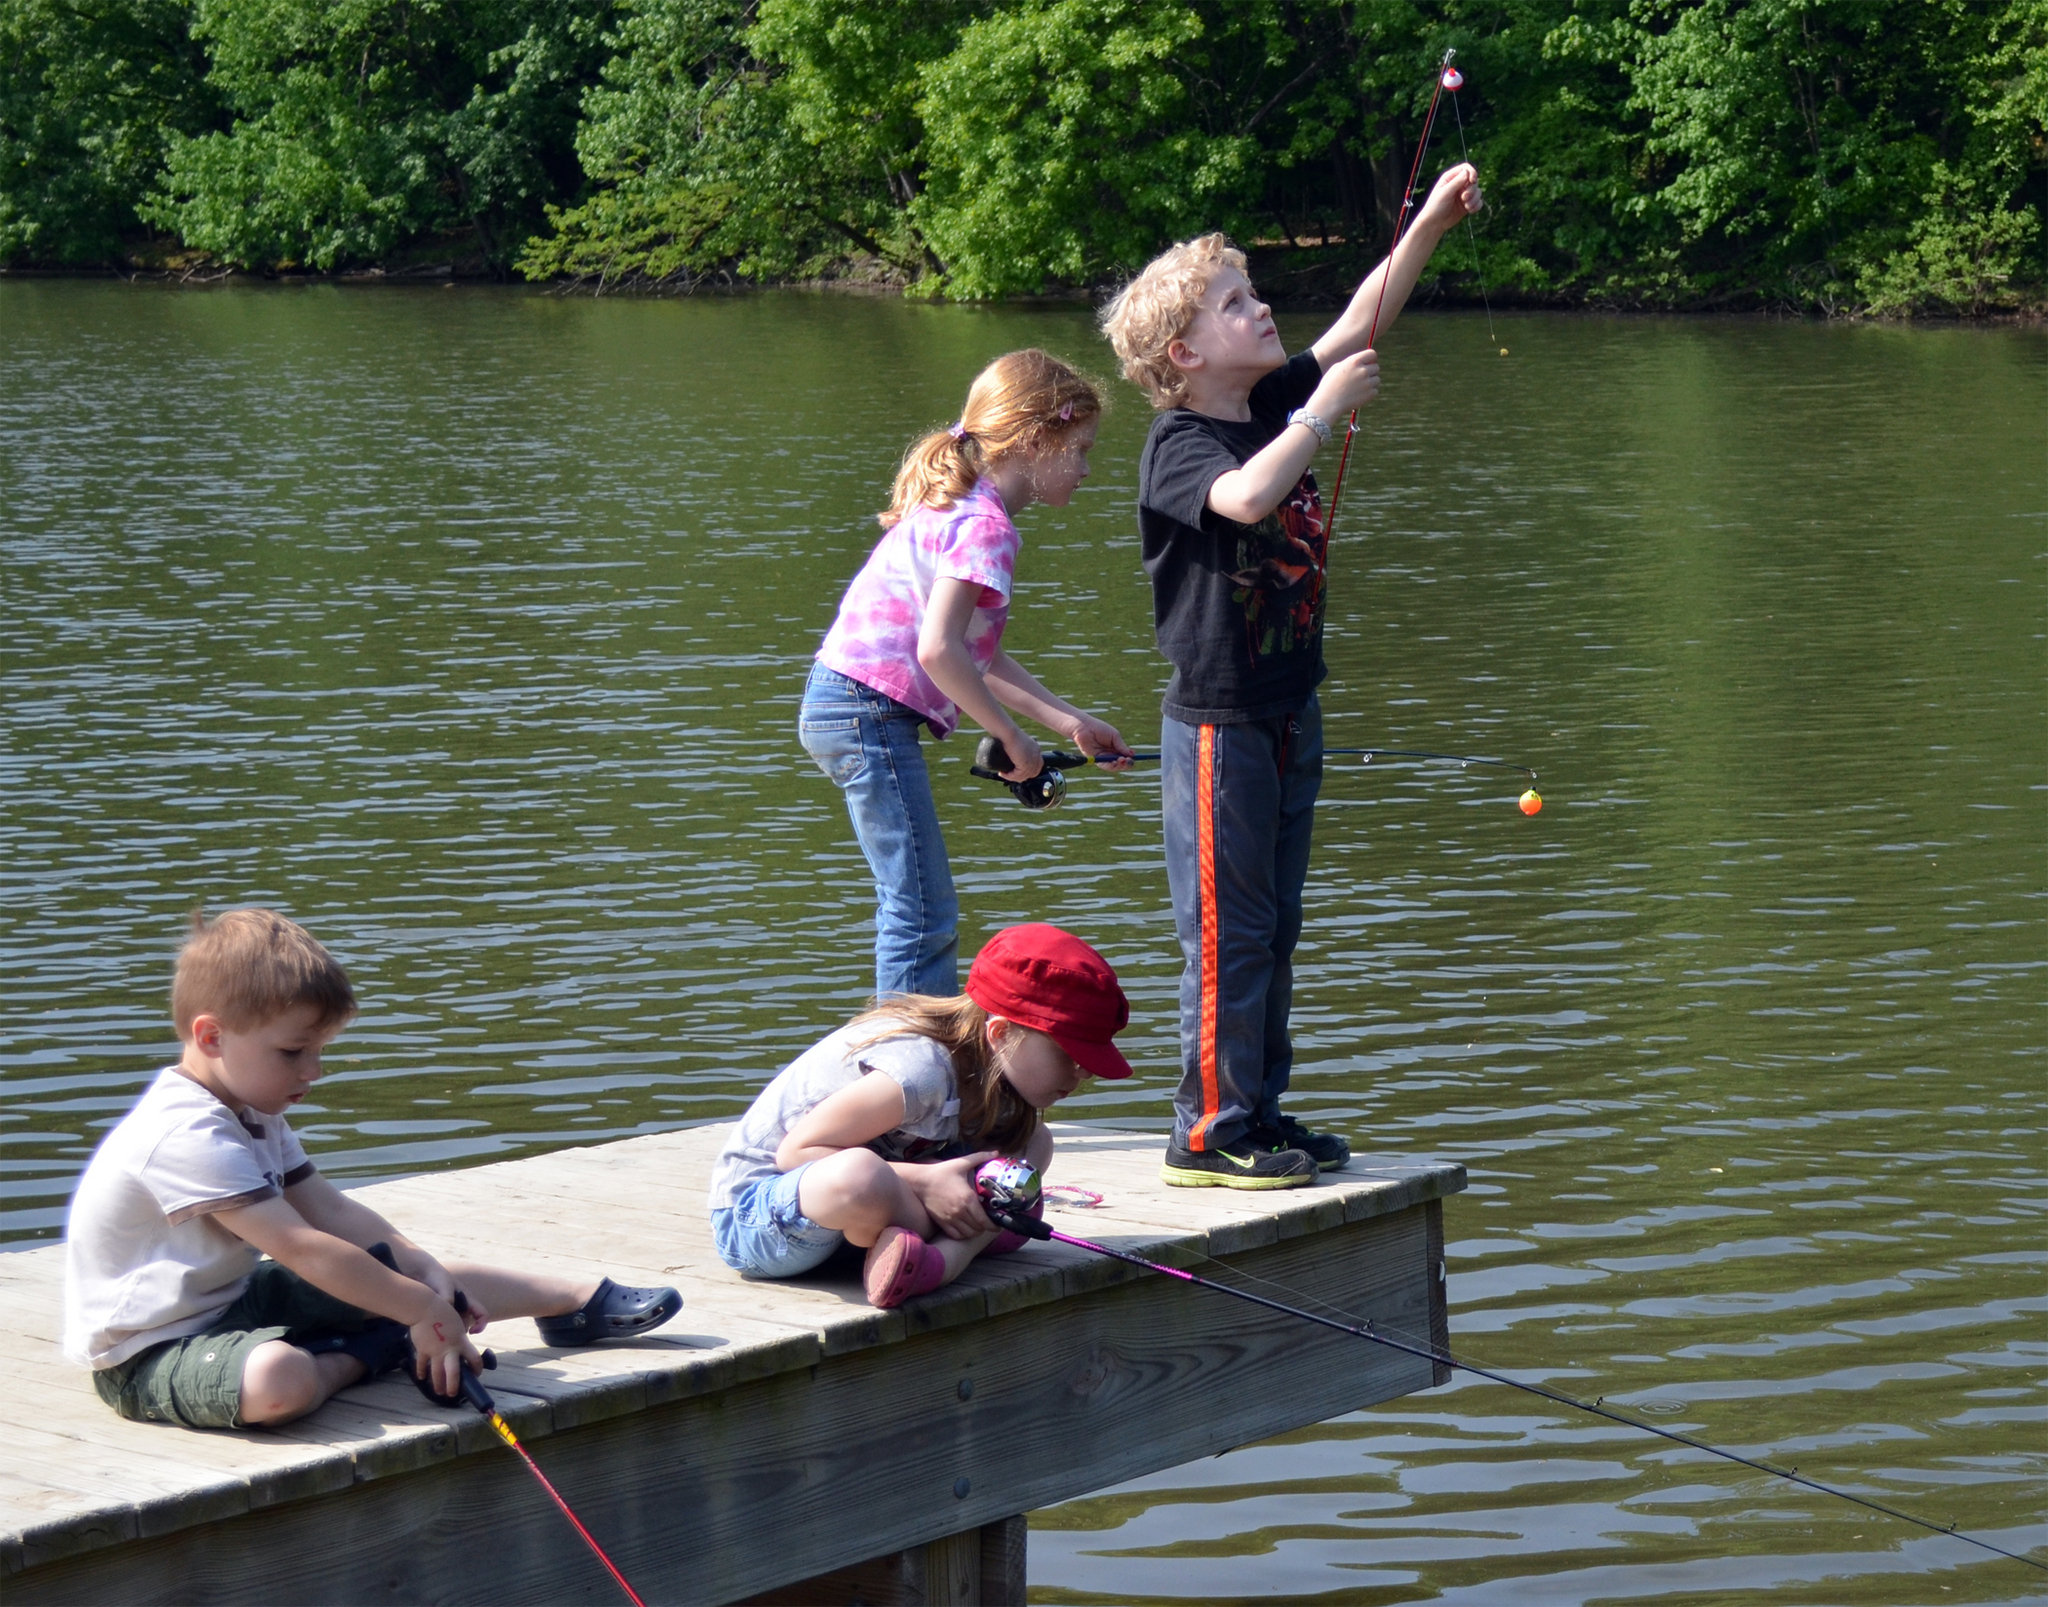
(1010, 1194)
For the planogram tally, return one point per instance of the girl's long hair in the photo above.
(1021, 403)
(992, 1114)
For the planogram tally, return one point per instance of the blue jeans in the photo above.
(764, 1231)
(867, 743)
(1238, 803)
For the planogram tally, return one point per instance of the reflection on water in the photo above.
(469, 628)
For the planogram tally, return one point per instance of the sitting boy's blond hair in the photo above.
(249, 967)
(1155, 309)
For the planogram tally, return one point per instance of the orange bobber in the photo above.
(1530, 802)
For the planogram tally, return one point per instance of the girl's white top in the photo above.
(874, 639)
(919, 1065)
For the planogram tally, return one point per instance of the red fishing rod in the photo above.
(1447, 77)
(474, 1392)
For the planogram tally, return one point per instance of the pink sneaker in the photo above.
(901, 1265)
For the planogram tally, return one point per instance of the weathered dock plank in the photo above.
(775, 1432)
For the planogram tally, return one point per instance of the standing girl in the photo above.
(918, 641)
(873, 1135)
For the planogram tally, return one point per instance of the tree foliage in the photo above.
(1833, 155)
(356, 128)
(94, 94)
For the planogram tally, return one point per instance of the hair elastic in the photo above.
(1066, 412)
(958, 431)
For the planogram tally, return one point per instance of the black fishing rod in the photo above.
(1010, 1193)
(1048, 789)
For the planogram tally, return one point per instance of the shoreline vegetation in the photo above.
(1836, 158)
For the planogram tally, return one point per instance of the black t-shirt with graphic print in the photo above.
(1238, 609)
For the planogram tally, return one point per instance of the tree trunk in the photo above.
(1354, 185)
(1389, 174)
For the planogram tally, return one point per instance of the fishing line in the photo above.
(474, 1392)
(1368, 754)
(1454, 81)
(1048, 789)
(1007, 1216)
(1444, 71)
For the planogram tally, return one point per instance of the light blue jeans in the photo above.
(867, 743)
(764, 1231)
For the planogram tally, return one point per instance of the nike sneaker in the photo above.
(1239, 1165)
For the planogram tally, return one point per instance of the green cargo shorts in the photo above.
(197, 1380)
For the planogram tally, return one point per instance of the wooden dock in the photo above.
(778, 1441)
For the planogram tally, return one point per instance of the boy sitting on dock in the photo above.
(167, 1295)
(1234, 540)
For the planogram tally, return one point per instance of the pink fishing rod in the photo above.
(1011, 1194)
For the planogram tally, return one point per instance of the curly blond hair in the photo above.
(1154, 310)
(1022, 403)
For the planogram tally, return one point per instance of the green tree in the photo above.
(94, 92)
(1065, 139)
(359, 127)
(1811, 143)
(707, 153)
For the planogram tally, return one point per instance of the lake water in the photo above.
(468, 626)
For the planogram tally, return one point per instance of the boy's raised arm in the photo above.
(1453, 197)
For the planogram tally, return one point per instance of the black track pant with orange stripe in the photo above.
(1239, 805)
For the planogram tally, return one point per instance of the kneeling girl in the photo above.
(873, 1136)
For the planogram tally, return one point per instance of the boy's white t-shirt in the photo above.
(144, 1261)
(919, 1065)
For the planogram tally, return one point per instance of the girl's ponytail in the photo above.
(941, 468)
(1021, 403)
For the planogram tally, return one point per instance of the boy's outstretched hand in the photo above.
(1452, 199)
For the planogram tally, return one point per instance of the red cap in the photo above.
(1041, 977)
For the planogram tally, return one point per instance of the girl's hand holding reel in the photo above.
(1010, 1194)
(1047, 789)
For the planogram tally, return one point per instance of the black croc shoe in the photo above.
(614, 1312)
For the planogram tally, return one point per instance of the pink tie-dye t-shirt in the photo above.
(874, 639)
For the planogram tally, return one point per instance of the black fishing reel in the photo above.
(1046, 790)
(1010, 1193)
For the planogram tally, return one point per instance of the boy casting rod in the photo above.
(1048, 789)
(1009, 1192)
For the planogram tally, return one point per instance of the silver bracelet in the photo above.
(1302, 415)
